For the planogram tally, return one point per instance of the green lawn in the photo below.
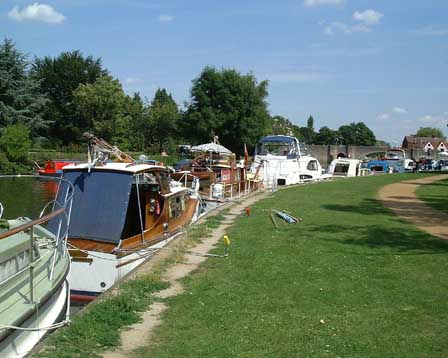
(435, 194)
(352, 280)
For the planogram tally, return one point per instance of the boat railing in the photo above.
(1, 210)
(59, 216)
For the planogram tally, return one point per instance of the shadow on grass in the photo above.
(367, 207)
(401, 242)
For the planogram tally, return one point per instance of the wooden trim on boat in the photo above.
(26, 226)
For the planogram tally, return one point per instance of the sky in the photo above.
(383, 62)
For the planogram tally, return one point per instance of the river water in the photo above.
(25, 196)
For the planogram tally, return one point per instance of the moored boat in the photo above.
(283, 160)
(122, 212)
(34, 264)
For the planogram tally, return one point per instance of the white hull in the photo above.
(20, 343)
(95, 277)
(281, 171)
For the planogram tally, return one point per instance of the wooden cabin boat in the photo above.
(283, 160)
(121, 213)
(218, 172)
(34, 264)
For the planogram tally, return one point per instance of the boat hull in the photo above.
(19, 342)
(99, 271)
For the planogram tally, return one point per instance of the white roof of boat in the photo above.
(122, 167)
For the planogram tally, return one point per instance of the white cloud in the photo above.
(433, 31)
(346, 29)
(133, 80)
(322, 2)
(438, 120)
(364, 21)
(383, 116)
(37, 12)
(399, 110)
(166, 18)
(368, 17)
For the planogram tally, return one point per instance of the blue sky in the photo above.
(383, 62)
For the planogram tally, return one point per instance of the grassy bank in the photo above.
(435, 195)
(352, 280)
(98, 329)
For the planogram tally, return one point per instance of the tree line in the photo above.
(50, 102)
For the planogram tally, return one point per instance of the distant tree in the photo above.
(356, 134)
(429, 132)
(382, 143)
(139, 124)
(103, 106)
(20, 99)
(164, 118)
(310, 123)
(230, 105)
(59, 78)
(327, 136)
(281, 126)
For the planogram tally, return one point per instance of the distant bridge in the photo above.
(326, 153)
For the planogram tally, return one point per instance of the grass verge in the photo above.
(435, 194)
(352, 280)
(98, 330)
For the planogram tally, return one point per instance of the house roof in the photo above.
(420, 142)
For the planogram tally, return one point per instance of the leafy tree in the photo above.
(20, 100)
(230, 105)
(327, 136)
(429, 132)
(139, 123)
(60, 77)
(15, 142)
(164, 118)
(102, 104)
(356, 134)
(281, 126)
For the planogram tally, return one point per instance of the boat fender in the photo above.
(157, 207)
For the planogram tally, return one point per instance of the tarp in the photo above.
(211, 147)
(100, 204)
(277, 138)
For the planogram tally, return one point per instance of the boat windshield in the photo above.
(276, 148)
(395, 154)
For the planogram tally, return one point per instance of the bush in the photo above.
(15, 143)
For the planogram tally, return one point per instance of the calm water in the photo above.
(25, 196)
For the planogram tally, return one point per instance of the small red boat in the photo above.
(53, 168)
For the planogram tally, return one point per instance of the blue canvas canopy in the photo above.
(277, 138)
(100, 204)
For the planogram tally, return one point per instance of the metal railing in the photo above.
(60, 216)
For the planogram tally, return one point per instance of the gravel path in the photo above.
(401, 198)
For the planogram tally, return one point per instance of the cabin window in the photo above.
(176, 206)
(312, 165)
(164, 185)
(341, 168)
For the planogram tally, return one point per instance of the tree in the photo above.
(102, 105)
(20, 100)
(281, 126)
(327, 136)
(59, 78)
(139, 124)
(429, 132)
(15, 142)
(164, 118)
(230, 105)
(356, 134)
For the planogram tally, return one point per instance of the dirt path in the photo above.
(401, 198)
(138, 335)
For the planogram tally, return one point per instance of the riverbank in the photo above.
(351, 280)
